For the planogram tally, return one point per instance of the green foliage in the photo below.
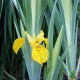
(58, 18)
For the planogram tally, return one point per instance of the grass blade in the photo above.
(55, 53)
(50, 35)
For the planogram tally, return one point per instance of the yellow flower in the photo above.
(39, 51)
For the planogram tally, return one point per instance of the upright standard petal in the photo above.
(40, 54)
(31, 41)
(36, 40)
(17, 44)
(39, 38)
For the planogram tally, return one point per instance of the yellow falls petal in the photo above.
(17, 44)
(40, 54)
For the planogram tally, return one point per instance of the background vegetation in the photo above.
(59, 19)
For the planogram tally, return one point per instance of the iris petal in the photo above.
(40, 54)
(17, 44)
(39, 38)
(36, 41)
(29, 39)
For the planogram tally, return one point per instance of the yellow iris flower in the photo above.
(39, 51)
